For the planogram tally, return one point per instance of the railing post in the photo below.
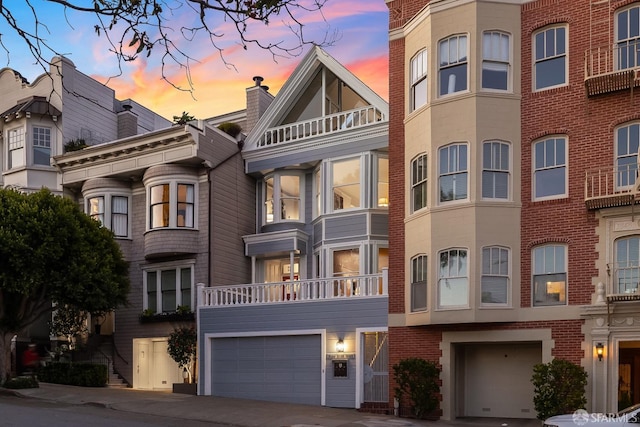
(385, 281)
(200, 294)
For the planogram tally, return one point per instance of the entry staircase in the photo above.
(100, 350)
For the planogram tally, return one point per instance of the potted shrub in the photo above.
(182, 349)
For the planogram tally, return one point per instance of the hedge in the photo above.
(80, 374)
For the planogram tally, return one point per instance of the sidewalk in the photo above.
(238, 412)
(234, 412)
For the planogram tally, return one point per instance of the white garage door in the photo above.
(273, 368)
(497, 380)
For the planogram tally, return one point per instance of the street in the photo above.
(20, 412)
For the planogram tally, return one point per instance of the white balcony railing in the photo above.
(609, 59)
(333, 288)
(322, 125)
(616, 185)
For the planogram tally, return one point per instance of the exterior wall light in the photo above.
(340, 346)
(600, 351)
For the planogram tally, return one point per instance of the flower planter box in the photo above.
(185, 388)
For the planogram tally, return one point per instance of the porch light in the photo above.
(340, 346)
(600, 351)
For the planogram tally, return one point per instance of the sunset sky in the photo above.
(361, 27)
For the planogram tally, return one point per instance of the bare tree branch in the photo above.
(145, 28)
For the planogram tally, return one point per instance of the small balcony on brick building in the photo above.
(612, 186)
(609, 69)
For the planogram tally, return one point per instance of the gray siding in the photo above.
(346, 226)
(338, 318)
(380, 225)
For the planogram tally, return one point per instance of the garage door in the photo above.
(497, 380)
(273, 368)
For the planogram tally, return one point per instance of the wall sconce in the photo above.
(600, 351)
(340, 346)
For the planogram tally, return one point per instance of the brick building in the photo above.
(514, 235)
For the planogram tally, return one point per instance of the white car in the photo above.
(627, 417)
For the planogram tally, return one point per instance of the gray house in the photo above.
(311, 324)
(171, 197)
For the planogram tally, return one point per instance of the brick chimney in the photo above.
(258, 100)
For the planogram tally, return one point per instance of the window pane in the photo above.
(550, 182)
(168, 287)
(495, 76)
(550, 72)
(494, 290)
(346, 184)
(41, 146)
(96, 208)
(185, 212)
(119, 216)
(550, 289)
(453, 79)
(185, 286)
(419, 296)
(152, 291)
(159, 206)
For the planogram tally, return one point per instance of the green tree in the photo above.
(417, 379)
(53, 253)
(134, 28)
(182, 347)
(559, 388)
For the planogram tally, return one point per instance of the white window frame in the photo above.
(16, 139)
(278, 200)
(629, 43)
(626, 137)
(418, 268)
(456, 273)
(106, 216)
(456, 171)
(496, 56)
(490, 271)
(36, 132)
(493, 166)
(550, 55)
(453, 52)
(626, 273)
(547, 168)
(418, 79)
(158, 268)
(547, 267)
(332, 185)
(381, 195)
(419, 180)
(173, 202)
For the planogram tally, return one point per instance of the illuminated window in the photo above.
(550, 275)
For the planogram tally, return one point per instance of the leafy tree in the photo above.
(183, 119)
(68, 321)
(418, 380)
(135, 28)
(559, 388)
(53, 253)
(182, 347)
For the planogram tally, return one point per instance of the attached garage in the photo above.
(274, 368)
(495, 379)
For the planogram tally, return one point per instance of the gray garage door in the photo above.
(273, 368)
(497, 380)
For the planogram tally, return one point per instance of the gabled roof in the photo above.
(295, 86)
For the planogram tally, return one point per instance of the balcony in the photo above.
(325, 125)
(623, 283)
(611, 186)
(300, 291)
(612, 68)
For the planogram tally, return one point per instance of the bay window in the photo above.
(453, 279)
(453, 172)
(345, 188)
(111, 210)
(282, 197)
(41, 146)
(172, 204)
(418, 276)
(16, 156)
(495, 275)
